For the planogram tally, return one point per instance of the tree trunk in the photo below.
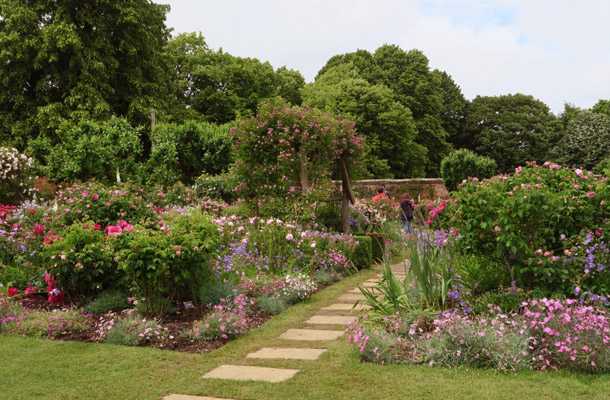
(346, 198)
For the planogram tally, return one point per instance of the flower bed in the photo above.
(120, 265)
(511, 274)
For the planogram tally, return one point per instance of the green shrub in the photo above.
(325, 278)
(108, 301)
(603, 167)
(93, 202)
(183, 152)
(463, 164)
(329, 216)
(217, 187)
(527, 222)
(362, 256)
(13, 275)
(507, 300)
(83, 262)
(271, 305)
(239, 209)
(378, 246)
(135, 331)
(480, 274)
(91, 150)
(52, 324)
(164, 267)
(214, 289)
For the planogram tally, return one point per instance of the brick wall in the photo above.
(418, 189)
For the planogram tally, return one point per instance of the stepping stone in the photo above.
(351, 298)
(287, 353)
(185, 397)
(330, 320)
(247, 373)
(355, 290)
(311, 335)
(369, 284)
(346, 307)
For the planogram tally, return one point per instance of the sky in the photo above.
(555, 50)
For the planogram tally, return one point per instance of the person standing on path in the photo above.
(406, 213)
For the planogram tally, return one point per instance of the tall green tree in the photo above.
(511, 129)
(586, 139)
(454, 108)
(70, 59)
(387, 125)
(602, 107)
(407, 74)
(218, 87)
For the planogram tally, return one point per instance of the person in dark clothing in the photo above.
(406, 211)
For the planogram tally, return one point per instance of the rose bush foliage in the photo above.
(531, 221)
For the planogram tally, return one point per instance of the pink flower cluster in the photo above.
(357, 336)
(118, 229)
(436, 211)
(566, 334)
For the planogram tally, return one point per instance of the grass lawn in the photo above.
(41, 369)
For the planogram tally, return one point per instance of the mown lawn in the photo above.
(40, 369)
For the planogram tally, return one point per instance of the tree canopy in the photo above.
(388, 126)
(586, 139)
(420, 90)
(219, 87)
(69, 59)
(510, 129)
(74, 73)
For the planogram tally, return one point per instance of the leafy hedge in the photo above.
(183, 152)
(463, 164)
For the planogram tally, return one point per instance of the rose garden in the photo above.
(208, 238)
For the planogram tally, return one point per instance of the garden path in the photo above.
(306, 344)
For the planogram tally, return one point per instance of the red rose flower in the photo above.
(12, 292)
(39, 229)
(30, 290)
(113, 230)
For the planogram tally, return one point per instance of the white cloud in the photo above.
(556, 50)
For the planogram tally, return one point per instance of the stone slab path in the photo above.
(346, 307)
(339, 314)
(350, 298)
(183, 397)
(248, 373)
(285, 353)
(330, 320)
(311, 335)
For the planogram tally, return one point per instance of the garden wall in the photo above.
(417, 188)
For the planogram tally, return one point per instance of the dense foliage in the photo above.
(511, 129)
(182, 152)
(62, 61)
(463, 164)
(288, 151)
(536, 223)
